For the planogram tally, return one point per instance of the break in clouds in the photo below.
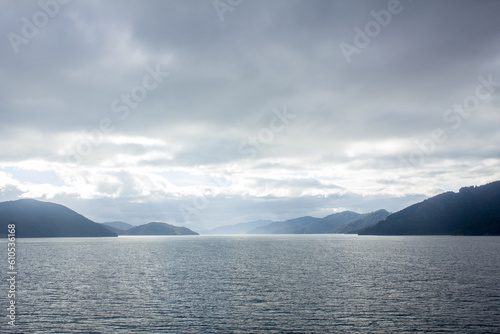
(212, 112)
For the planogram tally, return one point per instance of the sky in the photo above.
(205, 113)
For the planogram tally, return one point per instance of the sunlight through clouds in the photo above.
(255, 116)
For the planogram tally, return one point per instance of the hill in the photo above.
(291, 226)
(35, 219)
(364, 221)
(471, 211)
(115, 230)
(308, 225)
(337, 220)
(159, 229)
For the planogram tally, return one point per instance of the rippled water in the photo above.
(271, 284)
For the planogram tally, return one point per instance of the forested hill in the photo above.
(44, 219)
(471, 211)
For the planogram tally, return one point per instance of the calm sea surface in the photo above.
(256, 284)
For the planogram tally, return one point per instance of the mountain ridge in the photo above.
(364, 221)
(35, 218)
(159, 228)
(312, 225)
(472, 211)
(39, 219)
(284, 227)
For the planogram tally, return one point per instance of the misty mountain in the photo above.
(159, 229)
(336, 220)
(291, 226)
(471, 211)
(241, 228)
(115, 230)
(308, 225)
(364, 221)
(44, 219)
(119, 225)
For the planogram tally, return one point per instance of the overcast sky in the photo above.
(203, 113)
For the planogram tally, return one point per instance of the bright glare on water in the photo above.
(271, 284)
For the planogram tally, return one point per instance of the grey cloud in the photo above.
(225, 79)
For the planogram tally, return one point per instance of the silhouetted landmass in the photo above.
(308, 225)
(336, 220)
(364, 221)
(159, 229)
(114, 229)
(291, 226)
(36, 219)
(471, 211)
(241, 228)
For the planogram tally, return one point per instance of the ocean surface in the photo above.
(256, 284)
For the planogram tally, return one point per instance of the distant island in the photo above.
(37, 219)
(154, 228)
(471, 211)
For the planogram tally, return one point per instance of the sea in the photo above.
(254, 284)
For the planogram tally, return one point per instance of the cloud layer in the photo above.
(194, 114)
